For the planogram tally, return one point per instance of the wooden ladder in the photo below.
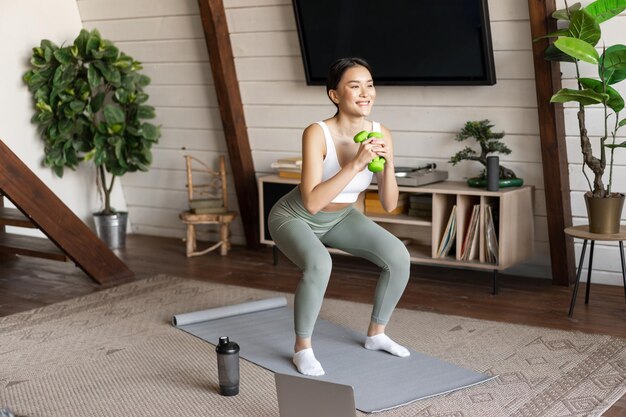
(68, 238)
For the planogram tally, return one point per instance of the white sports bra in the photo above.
(331, 167)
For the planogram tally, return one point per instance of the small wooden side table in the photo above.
(582, 232)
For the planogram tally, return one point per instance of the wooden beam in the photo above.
(553, 146)
(222, 62)
(28, 193)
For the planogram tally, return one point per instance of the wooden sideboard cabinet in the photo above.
(511, 210)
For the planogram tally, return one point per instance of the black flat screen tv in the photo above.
(407, 42)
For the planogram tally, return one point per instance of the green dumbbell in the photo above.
(378, 163)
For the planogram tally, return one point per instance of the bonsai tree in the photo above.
(489, 143)
(577, 41)
(90, 106)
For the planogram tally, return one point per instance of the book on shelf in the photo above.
(295, 160)
(469, 249)
(423, 214)
(447, 240)
(421, 201)
(374, 206)
(289, 174)
(380, 210)
(289, 164)
(373, 195)
(286, 167)
(491, 240)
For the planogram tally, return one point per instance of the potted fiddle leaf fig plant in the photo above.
(578, 42)
(489, 143)
(90, 105)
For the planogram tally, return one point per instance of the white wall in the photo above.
(22, 26)
(606, 260)
(167, 37)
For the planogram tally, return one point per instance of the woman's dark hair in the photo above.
(336, 70)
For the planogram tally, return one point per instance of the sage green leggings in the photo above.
(301, 236)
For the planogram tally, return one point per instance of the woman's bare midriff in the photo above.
(336, 206)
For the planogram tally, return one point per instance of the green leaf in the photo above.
(121, 95)
(113, 115)
(109, 50)
(44, 107)
(63, 55)
(123, 63)
(65, 127)
(584, 27)
(97, 101)
(110, 73)
(58, 170)
(93, 42)
(81, 42)
(46, 43)
(585, 97)
(612, 65)
(38, 61)
(100, 157)
(151, 132)
(145, 112)
(58, 74)
(143, 80)
(617, 145)
(93, 76)
(563, 14)
(621, 123)
(115, 77)
(603, 10)
(578, 49)
(77, 106)
(141, 98)
(552, 53)
(615, 100)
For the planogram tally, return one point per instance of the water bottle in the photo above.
(228, 366)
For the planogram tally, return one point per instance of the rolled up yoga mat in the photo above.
(264, 331)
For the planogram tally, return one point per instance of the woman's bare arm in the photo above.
(386, 179)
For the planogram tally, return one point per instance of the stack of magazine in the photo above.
(290, 167)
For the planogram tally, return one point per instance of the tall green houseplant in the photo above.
(578, 42)
(90, 105)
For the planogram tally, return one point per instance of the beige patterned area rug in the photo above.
(115, 353)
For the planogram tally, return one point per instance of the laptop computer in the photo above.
(306, 397)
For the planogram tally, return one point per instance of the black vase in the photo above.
(493, 173)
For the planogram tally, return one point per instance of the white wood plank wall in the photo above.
(167, 37)
(606, 259)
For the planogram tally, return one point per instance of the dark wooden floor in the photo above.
(27, 283)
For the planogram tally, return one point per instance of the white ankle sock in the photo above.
(383, 342)
(307, 364)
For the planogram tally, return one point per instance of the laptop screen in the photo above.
(299, 396)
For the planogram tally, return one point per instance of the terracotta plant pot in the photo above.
(604, 213)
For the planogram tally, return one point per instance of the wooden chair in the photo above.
(208, 204)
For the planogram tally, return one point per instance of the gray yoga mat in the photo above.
(264, 331)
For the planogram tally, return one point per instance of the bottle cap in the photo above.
(226, 346)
